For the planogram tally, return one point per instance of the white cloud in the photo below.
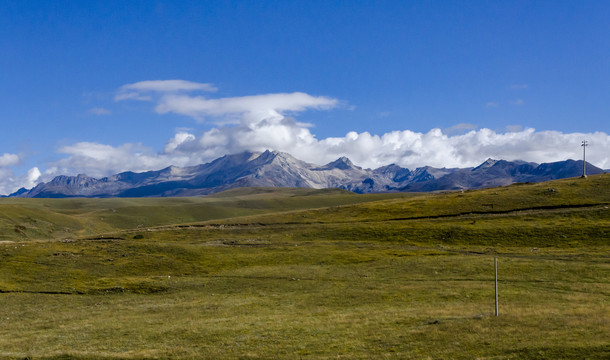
(406, 148)
(245, 108)
(7, 181)
(31, 178)
(492, 104)
(169, 86)
(9, 160)
(178, 139)
(141, 90)
(100, 160)
(260, 122)
(10, 183)
(171, 97)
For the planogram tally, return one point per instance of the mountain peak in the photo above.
(278, 169)
(19, 192)
(342, 163)
(272, 157)
(486, 164)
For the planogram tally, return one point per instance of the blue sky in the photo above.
(442, 83)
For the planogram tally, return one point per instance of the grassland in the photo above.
(294, 273)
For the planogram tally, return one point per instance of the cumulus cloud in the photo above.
(9, 160)
(31, 177)
(261, 122)
(414, 149)
(10, 183)
(100, 160)
(406, 148)
(178, 139)
(6, 182)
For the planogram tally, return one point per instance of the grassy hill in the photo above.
(285, 273)
(36, 219)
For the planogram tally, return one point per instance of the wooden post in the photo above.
(496, 281)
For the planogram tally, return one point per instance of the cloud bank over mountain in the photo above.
(269, 121)
(9, 182)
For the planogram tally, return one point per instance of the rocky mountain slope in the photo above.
(276, 169)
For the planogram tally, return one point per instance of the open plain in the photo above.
(301, 273)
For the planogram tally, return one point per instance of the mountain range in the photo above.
(277, 169)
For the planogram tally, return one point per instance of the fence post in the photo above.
(496, 281)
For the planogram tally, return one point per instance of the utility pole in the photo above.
(584, 145)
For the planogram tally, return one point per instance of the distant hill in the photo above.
(277, 169)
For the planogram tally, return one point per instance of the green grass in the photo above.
(32, 219)
(296, 273)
